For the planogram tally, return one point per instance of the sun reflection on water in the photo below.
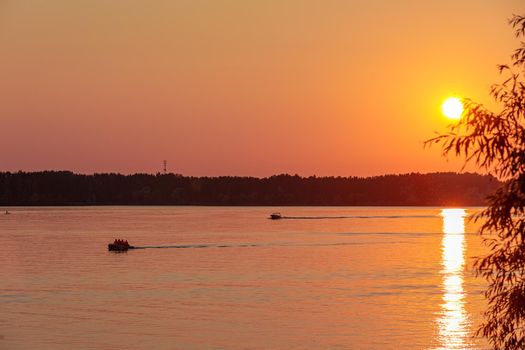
(453, 320)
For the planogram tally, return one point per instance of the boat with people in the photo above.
(276, 216)
(120, 245)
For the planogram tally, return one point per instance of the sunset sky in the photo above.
(241, 87)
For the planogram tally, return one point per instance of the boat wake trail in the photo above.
(187, 246)
(242, 245)
(360, 217)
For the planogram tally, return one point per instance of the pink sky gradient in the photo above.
(241, 87)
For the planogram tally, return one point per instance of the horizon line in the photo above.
(159, 173)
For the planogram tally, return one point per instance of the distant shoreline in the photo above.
(64, 188)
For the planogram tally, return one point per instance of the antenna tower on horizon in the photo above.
(165, 166)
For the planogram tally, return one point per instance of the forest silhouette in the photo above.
(414, 189)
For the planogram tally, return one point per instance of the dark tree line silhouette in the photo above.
(67, 188)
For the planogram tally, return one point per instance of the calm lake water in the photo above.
(373, 278)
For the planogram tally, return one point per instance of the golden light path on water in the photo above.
(453, 320)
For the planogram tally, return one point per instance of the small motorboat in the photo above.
(276, 216)
(119, 245)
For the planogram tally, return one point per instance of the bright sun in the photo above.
(452, 108)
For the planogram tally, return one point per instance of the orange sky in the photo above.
(241, 87)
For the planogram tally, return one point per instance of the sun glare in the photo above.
(453, 320)
(452, 108)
